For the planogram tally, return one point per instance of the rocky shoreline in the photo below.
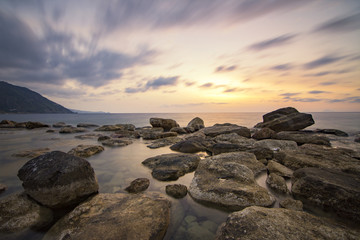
(226, 160)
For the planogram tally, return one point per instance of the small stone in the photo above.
(32, 153)
(292, 204)
(138, 185)
(72, 130)
(86, 150)
(3, 187)
(176, 190)
(277, 183)
(279, 169)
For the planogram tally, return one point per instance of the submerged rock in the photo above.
(18, 213)
(115, 216)
(89, 136)
(329, 189)
(166, 124)
(176, 190)
(276, 145)
(87, 125)
(171, 166)
(72, 130)
(226, 128)
(85, 151)
(138, 185)
(163, 142)
(278, 223)
(303, 137)
(227, 180)
(32, 153)
(153, 135)
(58, 179)
(109, 128)
(116, 142)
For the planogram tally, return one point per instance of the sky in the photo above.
(157, 56)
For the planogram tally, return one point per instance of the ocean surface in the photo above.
(117, 167)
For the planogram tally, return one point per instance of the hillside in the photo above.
(15, 99)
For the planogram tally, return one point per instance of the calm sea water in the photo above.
(117, 167)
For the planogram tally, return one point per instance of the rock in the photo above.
(357, 139)
(138, 185)
(281, 170)
(310, 155)
(60, 125)
(329, 189)
(196, 124)
(291, 204)
(178, 130)
(335, 132)
(171, 166)
(197, 232)
(58, 179)
(166, 124)
(286, 119)
(85, 151)
(227, 180)
(106, 128)
(3, 187)
(87, 125)
(103, 138)
(126, 134)
(33, 125)
(226, 128)
(7, 124)
(115, 216)
(277, 183)
(262, 153)
(164, 142)
(116, 142)
(153, 135)
(276, 145)
(32, 153)
(279, 223)
(192, 145)
(89, 136)
(72, 130)
(176, 190)
(303, 137)
(50, 131)
(18, 213)
(127, 126)
(235, 139)
(219, 148)
(264, 133)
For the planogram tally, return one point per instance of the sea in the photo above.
(115, 168)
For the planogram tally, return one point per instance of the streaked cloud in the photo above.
(273, 42)
(154, 84)
(289, 94)
(317, 92)
(223, 68)
(339, 25)
(327, 83)
(323, 61)
(282, 67)
(207, 85)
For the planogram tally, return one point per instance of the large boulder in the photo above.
(115, 216)
(195, 124)
(329, 189)
(166, 124)
(286, 119)
(282, 224)
(85, 151)
(171, 166)
(303, 137)
(228, 180)
(58, 179)
(235, 139)
(226, 128)
(193, 145)
(18, 213)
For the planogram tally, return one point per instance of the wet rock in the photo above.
(235, 139)
(226, 128)
(192, 145)
(166, 124)
(3, 187)
(310, 155)
(116, 142)
(277, 183)
(106, 128)
(171, 166)
(178, 130)
(18, 213)
(278, 223)
(103, 138)
(262, 153)
(276, 145)
(291, 204)
(195, 124)
(32, 152)
(87, 125)
(227, 180)
(89, 136)
(60, 125)
(176, 190)
(279, 169)
(286, 119)
(329, 189)
(126, 134)
(33, 125)
(163, 142)
(138, 185)
(58, 179)
(303, 137)
(115, 216)
(335, 132)
(264, 133)
(72, 130)
(85, 151)
(219, 148)
(153, 135)
(7, 124)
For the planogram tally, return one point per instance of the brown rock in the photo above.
(176, 190)
(138, 185)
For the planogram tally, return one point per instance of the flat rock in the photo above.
(226, 181)
(33, 125)
(58, 179)
(89, 136)
(32, 152)
(277, 183)
(281, 224)
(222, 147)
(166, 124)
(235, 139)
(115, 216)
(276, 145)
(153, 135)
(85, 151)
(192, 145)
(60, 125)
(138, 185)
(226, 128)
(87, 125)
(109, 128)
(176, 190)
(72, 130)
(18, 213)
(335, 132)
(178, 130)
(126, 134)
(329, 189)
(163, 142)
(291, 204)
(116, 142)
(303, 137)
(279, 169)
(171, 166)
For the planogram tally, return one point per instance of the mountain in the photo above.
(15, 99)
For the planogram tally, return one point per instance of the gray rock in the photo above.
(138, 185)
(176, 190)
(279, 169)
(219, 148)
(357, 139)
(281, 224)
(303, 137)
(18, 213)
(279, 113)
(171, 166)
(235, 139)
(106, 128)
(192, 145)
(166, 124)
(33, 125)
(87, 125)
(58, 179)
(277, 183)
(153, 135)
(116, 142)
(227, 180)
(264, 133)
(32, 152)
(226, 128)
(115, 216)
(335, 132)
(163, 142)
(196, 124)
(85, 151)
(3, 187)
(178, 130)
(72, 130)
(60, 125)
(329, 189)
(126, 134)
(276, 145)
(291, 204)
(89, 136)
